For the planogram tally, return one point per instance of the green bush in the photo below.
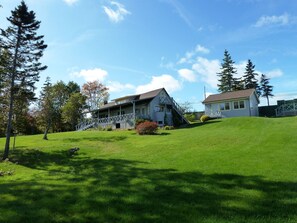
(190, 117)
(147, 128)
(168, 127)
(109, 128)
(204, 118)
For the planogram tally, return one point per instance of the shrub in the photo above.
(190, 117)
(147, 128)
(168, 127)
(204, 118)
(140, 120)
(109, 128)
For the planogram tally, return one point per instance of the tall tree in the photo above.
(25, 48)
(96, 94)
(266, 89)
(250, 77)
(72, 110)
(226, 76)
(46, 106)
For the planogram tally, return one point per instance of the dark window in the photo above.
(118, 125)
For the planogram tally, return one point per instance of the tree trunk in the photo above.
(46, 130)
(11, 99)
(9, 121)
(267, 100)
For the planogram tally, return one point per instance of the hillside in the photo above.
(229, 170)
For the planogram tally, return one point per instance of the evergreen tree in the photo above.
(266, 89)
(24, 48)
(250, 77)
(46, 106)
(226, 76)
(238, 84)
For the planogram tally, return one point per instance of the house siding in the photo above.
(250, 108)
(254, 105)
(161, 117)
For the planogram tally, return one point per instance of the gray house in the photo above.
(232, 104)
(121, 113)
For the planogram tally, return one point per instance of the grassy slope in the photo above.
(231, 170)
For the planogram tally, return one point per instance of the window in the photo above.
(238, 105)
(225, 106)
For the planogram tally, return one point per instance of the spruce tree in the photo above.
(46, 106)
(25, 48)
(266, 89)
(226, 76)
(250, 77)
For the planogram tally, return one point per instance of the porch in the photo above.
(125, 121)
(286, 108)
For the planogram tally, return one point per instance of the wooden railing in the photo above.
(179, 110)
(289, 109)
(86, 124)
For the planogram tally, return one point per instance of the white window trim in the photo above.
(244, 107)
(225, 106)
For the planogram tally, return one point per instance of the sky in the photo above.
(133, 46)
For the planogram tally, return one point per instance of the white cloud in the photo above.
(240, 67)
(164, 81)
(116, 12)
(70, 2)
(166, 64)
(92, 74)
(188, 58)
(207, 69)
(187, 74)
(115, 86)
(274, 73)
(278, 96)
(273, 20)
(202, 49)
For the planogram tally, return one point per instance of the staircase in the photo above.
(86, 125)
(179, 111)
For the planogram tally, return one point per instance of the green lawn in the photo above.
(230, 170)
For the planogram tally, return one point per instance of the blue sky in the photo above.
(133, 46)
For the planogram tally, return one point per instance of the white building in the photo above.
(232, 104)
(121, 113)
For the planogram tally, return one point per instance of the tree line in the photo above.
(59, 107)
(228, 81)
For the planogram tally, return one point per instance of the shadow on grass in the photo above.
(193, 125)
(96, 138)
(115, 190)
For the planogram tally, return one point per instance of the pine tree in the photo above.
(46, 106)
(24, 48)
(250, 80)
(266, 89)
(226, 76)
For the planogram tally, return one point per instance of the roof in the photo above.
(137, 97)
(229, 95)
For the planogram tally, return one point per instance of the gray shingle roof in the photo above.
(229, 95)
(137, 97)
